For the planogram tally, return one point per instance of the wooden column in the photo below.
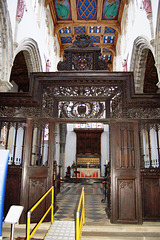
(26, 163)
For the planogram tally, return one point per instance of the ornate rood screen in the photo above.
(81, 93)
(84, 88)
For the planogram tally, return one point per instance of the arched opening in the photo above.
(151, 76)
(19, 74)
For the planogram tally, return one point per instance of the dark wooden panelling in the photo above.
(37, 187)
(126, 204)
(126, 200)
(13, 187)
(151, 198)
(88, 142)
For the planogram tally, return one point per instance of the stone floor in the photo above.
(68, 199)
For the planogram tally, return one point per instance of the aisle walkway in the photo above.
(61, 230)
(63, 227)
(68, 198)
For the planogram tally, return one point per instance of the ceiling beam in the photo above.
(88, 33)
(47, 2)
(99, 10)
(73, 10)
(52, 10)
(115, 25)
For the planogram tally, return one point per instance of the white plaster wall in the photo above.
(70, 150)
(104, 148)
(134, 23)
(29, 27)
(57, 146)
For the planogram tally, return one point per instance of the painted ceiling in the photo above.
(100, 19)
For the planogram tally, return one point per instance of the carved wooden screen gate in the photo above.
(83, 91)
(125, 173)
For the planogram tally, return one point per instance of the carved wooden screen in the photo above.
(88, 142)
(125, 166)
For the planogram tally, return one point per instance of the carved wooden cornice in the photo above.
(81, 88)
(150, 172)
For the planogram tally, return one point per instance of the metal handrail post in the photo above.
(52, 203)
(12, 231)
(51, 208)
(77, 225)
(28, 224)
(83, 207)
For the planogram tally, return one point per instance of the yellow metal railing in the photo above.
(80, 216)
(30, 234)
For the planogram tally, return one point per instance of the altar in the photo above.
(88, 172)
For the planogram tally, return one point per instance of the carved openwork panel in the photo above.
(83, 55)
(143, 113)
(81, 109)
(59, 96)
(82, 61)
(83, 91)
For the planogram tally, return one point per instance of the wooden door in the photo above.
(126, 204)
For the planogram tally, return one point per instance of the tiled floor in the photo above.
(67, 202)
(68, 198)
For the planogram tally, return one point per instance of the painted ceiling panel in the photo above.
(110, 9)
(100, 19)
(86, 9)
(63, 9)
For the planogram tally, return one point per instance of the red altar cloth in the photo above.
(88, 172)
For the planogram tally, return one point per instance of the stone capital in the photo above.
(158, 84)
(5, 86)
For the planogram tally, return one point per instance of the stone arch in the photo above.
(6, 47)
(30, 49)
(141, 47)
